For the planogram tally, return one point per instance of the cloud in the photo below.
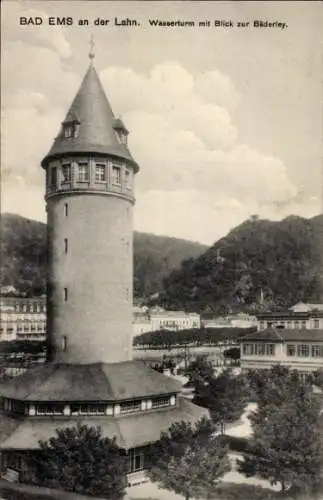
(197, 178)
(53, 39)
(215, 87)
(184, 139)
(35, 101)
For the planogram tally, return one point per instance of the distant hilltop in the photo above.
(260, 265)
(23, 257)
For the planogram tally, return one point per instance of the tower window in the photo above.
(65, 245)
(100, 173)
(53, 179)
(65, 294)
(83, 172)
(66, 170)
(66, 209)
(116, 175)
(64, 343)
(127, 179)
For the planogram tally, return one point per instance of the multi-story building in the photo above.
(301, 350)
(239, 320)
(141, 324)
(154, 320)
(304, 320)
(174, 320)
(22, 318)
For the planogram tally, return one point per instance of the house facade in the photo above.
(155, 320)
(300, 350)
(291, 319)
(22, 318)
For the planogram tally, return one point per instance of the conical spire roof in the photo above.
(95, 121)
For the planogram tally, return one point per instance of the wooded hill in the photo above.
(281, 262)
(259, 265)
(23, 256)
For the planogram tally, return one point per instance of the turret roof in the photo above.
(91, 109)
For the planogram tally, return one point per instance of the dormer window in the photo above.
(121, 131)
(68, 131)
(122, 138)
(71, 127)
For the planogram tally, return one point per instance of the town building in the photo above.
(291, 319)
(306, 307)
(160, 319)
(141, 324)
(22, 318)
(238, 320)
(90, 376)
(301, 350)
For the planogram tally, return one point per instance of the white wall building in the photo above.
(299, 350)
(295, 320)
(239, 320)
(22, 318)
(305, 307)
(174, 320)
(159, 319)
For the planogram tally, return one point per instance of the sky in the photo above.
(225, 122)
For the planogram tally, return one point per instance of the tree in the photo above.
(270, 387)
(225, 396)
(189, 460)
(80, 460)
(287, 445)
(200, 371)
(318, 378)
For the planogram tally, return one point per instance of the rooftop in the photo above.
(290, 314)
(307, 306)
(130, 431)
(93, 114)
(94, 382)
(283, 334)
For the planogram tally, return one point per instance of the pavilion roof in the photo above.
(94, 382)
(130, 431)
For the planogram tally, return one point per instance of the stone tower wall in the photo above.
(90, 277)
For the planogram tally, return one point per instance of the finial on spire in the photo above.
(91, 43)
